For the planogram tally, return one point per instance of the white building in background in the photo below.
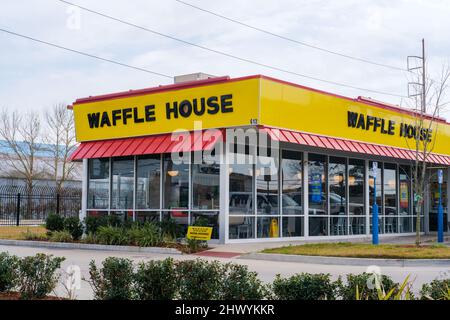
(9, 176)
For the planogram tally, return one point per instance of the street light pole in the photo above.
(440, 208)
(375, 240)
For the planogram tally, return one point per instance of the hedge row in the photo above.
(33, 277)
(198, 279)
(118, 279)
(36, 277)
(110, 230)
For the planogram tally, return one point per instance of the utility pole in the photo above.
(424, 88)
(420, 164)
(420, 85)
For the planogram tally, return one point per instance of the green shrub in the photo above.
(304, 286)
(37, 275)
(54, 222)
(92, 223)
(8, 271)
(114, 281)
(199, 279)
(170, 229)
(90, 238)
(112, 220)
(347, 291)
(112, 236)
(60, 236)
(194, 246)
(74, 227)
(146, 235)
(239, 283)
(156, 280)
(31, 236)
(436, 290)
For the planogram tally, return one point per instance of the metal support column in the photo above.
(224, 194)
(306, 193)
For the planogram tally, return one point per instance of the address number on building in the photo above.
(199, 233)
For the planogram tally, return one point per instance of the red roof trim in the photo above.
(326, 142)
(186, 141)
(299, 138)
(350, 146)
(85, 150)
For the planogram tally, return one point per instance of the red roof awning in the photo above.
(315, 140)
(164, 143)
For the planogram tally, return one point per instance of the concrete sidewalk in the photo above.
(266, 269)
(252, 247)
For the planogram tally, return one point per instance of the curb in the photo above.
(83, 246)
(347, 261)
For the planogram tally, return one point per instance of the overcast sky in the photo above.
(34, 76)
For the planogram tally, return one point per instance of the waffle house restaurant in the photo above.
(258, 159)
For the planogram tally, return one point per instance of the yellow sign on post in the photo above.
(199, 233)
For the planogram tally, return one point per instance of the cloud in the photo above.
(36, 76)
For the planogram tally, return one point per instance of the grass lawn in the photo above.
(361, 250)
(17, 233)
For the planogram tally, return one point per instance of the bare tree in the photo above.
(61, 142)
(428, 108)
(21, 134)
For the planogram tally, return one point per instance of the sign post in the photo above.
(440, 208)
(375, 206)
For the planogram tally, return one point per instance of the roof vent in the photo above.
(192, 77)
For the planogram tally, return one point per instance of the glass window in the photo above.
(405, 190)
(266, 174)
(177, 221)
(318, 226)
(98, 185)
(147, 216)
(148, 182)
(205, 183)
(268, 227)
(241, 227)
(241, 184)
(122, 183)
(357, 224)
(356, 190)
(176, 184)
(241, 220)
(390, 189)
(207, 219)
(317, 185)
(390, 198)
(378, 179)
(405, 225)
(337, 178)
(356, 172)
(378, 185)
(338, 185)
(293, 226)
(292, 179)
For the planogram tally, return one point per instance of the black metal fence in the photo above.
(19, 207)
